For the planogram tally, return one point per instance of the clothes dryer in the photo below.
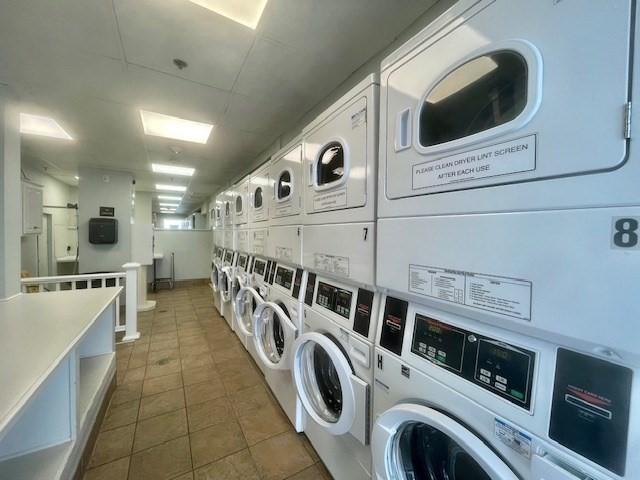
(340, 158)
(276, 323)
(286, 185)
(458, 399)
(333, 373)
(241, 203)
(260, 192)
(500, 197)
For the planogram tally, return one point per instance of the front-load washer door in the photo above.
(273, 335)
(245, 303)
(415, 442)
(492, 103)
(226, 282)
(215, 280)
(331, 394)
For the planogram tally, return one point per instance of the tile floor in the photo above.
(190, 404)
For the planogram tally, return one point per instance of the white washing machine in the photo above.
(333, 373)
(241, 275)
(216, 273)
(276, 323)
(458, 399)
(251, 294)
(340, 158)
(487, 207)
(226, 279)
(286, 183)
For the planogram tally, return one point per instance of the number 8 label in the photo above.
(625, 232)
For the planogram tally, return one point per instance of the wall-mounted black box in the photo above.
(103, 230)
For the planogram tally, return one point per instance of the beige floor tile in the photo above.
(201, 392)
(198, 375)
(163, 337)
(192, 341)
(246, 402)
(240, 378)
(229, 354)
(118, 470)
(272, 464)
(134, 375)
(309, 448)
(209, 413)
(163, 345)
(158, 355)
(112, 445)
(197, 349)
(263, 424)
(315, 472)
(127, 392)
(120, 415)
(156, 430)
(162, 462)
(153, 386)
(161, 403)
(216, 442)
(138, 359)
(196, 361)
(162, 367)
(186, 476)
(239, 466)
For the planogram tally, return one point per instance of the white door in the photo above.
(325, 382)
(413, 442)
(498, 102)
(259, 194)
(246, 302)
(286, 175)
(273, 335)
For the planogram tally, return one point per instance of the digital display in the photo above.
(259, 266)
(284, 277)
(335, 299)
(228, 257)
(219, 253)
(242, 261)
(438, 342)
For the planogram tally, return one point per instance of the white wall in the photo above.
(106, 188)
(142, 209)
(10, 196)
(192, 250)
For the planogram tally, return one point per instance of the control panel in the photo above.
(284, 277)
(228, 256)
(338, 300)
(242, 261)
(496, 366)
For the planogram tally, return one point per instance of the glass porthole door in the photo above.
(244, 299)
(226, 283)
(273, 335)
(415, 442)
(331, 165)
(324, 382)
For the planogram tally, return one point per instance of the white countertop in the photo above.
(37, 331)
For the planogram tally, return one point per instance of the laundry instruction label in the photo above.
(284, 253)
(332, 200)
(359, 118)
(513, 438)
(331, 263)
(501, 159)
(510, 297)
(258, 242)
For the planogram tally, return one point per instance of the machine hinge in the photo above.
(627, 120)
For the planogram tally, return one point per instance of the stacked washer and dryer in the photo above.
(507, 248)
(444, 262)
(229, 258)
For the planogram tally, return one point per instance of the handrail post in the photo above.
(131, 320)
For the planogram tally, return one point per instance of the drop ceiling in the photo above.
(93, 64)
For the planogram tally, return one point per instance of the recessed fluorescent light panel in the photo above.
(172, 205)
(171, 188)
(160, 125)
(172, 169)
(169, 197)
(245, 12)
(43, 126)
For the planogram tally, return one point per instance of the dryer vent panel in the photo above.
(103, 231)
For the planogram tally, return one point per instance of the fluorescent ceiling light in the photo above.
(159, 125)
(462, 77)
(171, 188)
(169, 197)
(245, 12)
(169, 204)
(172, 169)
(76, 177)
(44, 126)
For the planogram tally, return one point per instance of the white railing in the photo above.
(98, 280)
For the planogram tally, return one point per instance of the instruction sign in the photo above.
(330, 200)
(331, 263)
(501, 159)
(284, 253)
(506, 296)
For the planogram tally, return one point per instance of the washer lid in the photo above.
(245, 296)
(329, 391)
(273, 335)
(417, 442)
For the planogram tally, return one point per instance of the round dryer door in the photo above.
(244, 305)
(273, 334)
(322, 376)
(419, 443)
